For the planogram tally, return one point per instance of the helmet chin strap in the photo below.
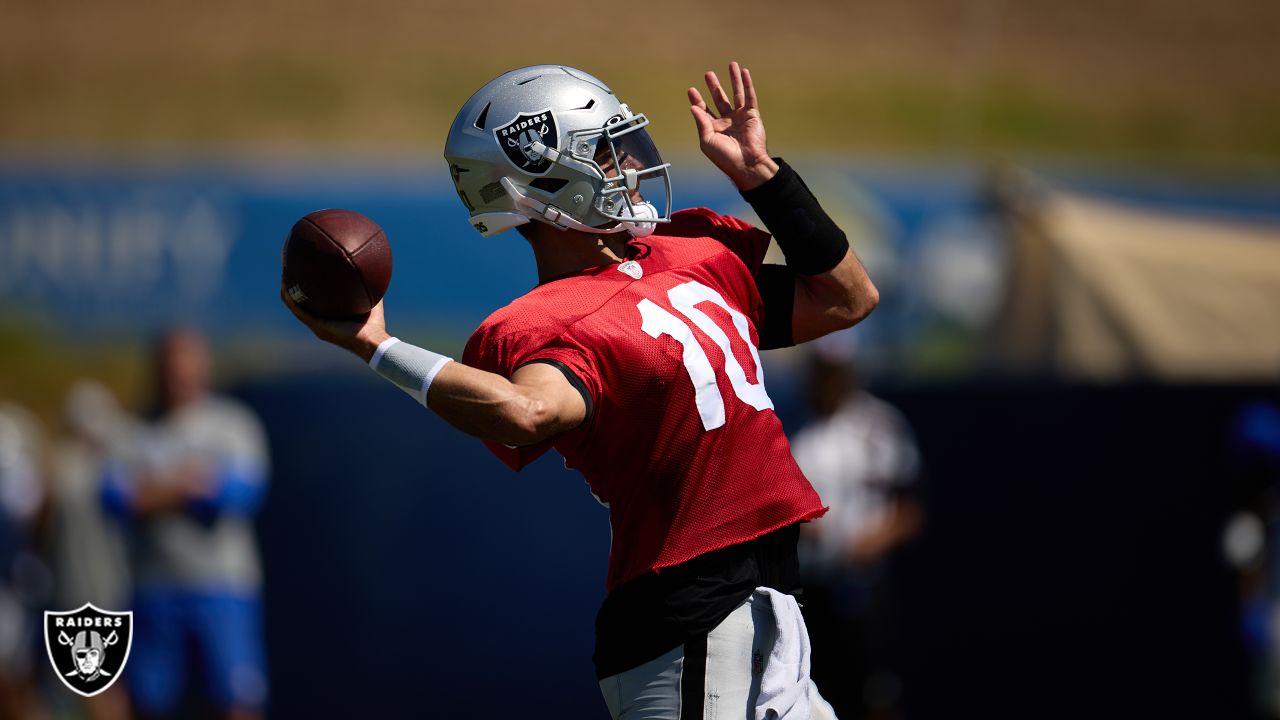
(641, 211)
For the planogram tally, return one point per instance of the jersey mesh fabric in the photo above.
(674, 488)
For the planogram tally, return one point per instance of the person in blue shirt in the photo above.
(188, 488)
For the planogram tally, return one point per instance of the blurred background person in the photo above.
(860, 454)
(1251, 545)
(85, 546)
(23, 581)
(188, 490)
(86, 549)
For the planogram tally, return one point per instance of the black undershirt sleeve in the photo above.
(777, 286)
(574, 380)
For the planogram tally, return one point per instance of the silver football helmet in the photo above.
(553, 144)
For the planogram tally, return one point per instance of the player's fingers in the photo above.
(735, 77)
(703, 120)
(717, 94)
(284, 298)
(287, 299)
(293, 308)
(298, 313)
(752, 102)
(302, 315)
(695, 99)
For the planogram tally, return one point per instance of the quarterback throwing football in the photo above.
(636, 357)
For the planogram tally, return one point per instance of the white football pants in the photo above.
(718, 681)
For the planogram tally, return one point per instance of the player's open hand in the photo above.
(733, 141)
(360, 335)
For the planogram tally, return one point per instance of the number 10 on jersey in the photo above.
(655, 321)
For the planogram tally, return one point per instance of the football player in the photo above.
(636, 358)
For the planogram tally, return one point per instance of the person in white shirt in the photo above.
(861, 456)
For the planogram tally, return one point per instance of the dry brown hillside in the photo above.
(1160, 79)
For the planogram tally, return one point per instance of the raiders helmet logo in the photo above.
(88, 647)
(516, 137)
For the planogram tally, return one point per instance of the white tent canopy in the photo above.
(1108, 291)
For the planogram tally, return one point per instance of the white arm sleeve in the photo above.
(408, 367)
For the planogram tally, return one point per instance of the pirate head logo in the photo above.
(88, 647)
(516, 137)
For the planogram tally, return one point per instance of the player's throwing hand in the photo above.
(360, 335)
(734, 141)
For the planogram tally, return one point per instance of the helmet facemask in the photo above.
(629, 164)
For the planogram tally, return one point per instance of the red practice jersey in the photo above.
(682, 444)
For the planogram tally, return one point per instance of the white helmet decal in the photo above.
(516, 138)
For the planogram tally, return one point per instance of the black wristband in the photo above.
(807, 236)
(777, 286)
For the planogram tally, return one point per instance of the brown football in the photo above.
(337, 263)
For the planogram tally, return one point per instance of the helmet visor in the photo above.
(633, 169)
(635, 182)
(630, 148)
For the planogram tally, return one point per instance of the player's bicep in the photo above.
(799, 308)
(560, 397)
(832, 301)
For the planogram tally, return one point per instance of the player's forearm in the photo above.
(524, 410)
(364, 343)
(827, 287)
(492, 407)
(811, 241)
(151, 497)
